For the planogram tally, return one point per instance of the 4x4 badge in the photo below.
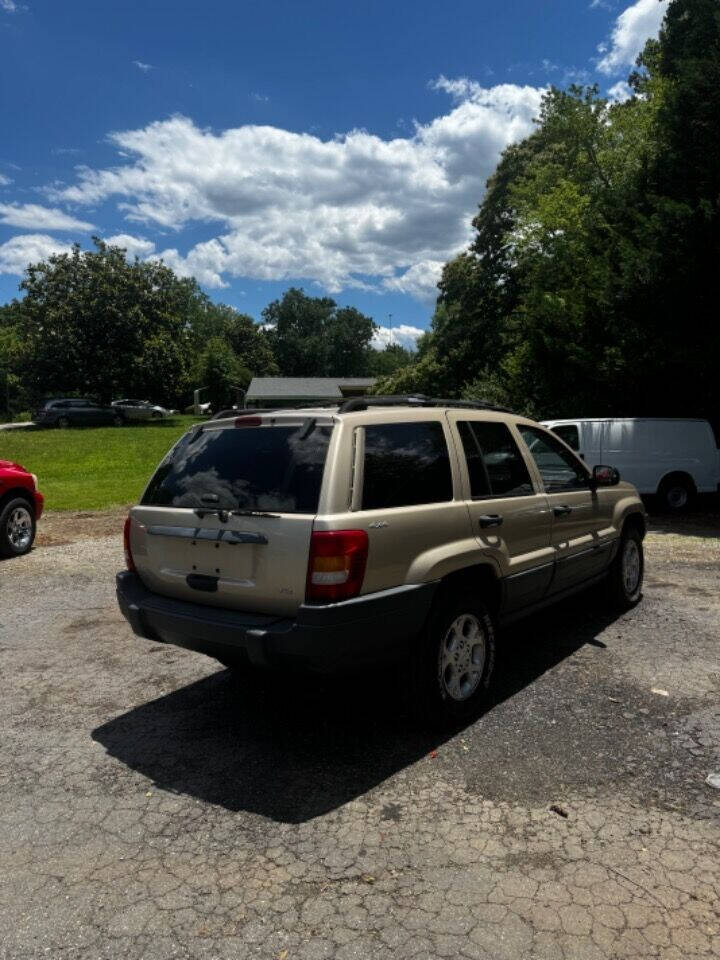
(376, 524)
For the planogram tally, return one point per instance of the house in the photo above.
(291, 391)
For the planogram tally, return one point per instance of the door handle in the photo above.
(490, 520)
(562, 511)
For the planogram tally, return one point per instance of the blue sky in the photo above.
(338, 146)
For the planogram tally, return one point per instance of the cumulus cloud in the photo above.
(632, 28)
(9, 6)
(134, 246)
(353, 211)
(17, 252)
(31, 216)
(620, 92)
(403, 334)
(144, 67)
(420, 280)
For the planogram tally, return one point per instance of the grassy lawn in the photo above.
(92, 468)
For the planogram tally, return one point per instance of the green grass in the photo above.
(92, 468)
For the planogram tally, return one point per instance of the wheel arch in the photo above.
(13, 493)
(478, 578)
(635, 521)
(676, 475)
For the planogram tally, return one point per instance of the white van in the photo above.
(673, 459)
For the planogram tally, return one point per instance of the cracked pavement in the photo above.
(151, 806)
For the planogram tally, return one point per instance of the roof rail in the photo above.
(415, 400)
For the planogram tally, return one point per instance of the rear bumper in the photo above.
(341, 636)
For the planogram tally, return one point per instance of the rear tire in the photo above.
(676, 494)
(451, 663)
(17, 528)
(625, 578)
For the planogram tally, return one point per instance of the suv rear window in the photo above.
(250, 468)
(405, 464)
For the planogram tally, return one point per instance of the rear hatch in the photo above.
(226, 520)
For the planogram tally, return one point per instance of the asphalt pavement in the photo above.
(151, 806)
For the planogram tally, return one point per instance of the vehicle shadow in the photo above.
(701, 520)
(295, 748)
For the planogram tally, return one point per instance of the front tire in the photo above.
(452, 661)
(17, 528)
(625, 579)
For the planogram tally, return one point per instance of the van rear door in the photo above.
(226, 519)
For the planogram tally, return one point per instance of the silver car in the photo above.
(141, 410)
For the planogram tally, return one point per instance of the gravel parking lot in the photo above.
(153, 807)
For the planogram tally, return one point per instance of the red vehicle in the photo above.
(21, 506)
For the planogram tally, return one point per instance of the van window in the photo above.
(559, 469)
(405, 464)
(495, 464)
(569, 433)
(276, 468)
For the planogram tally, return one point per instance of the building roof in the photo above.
(330, 388)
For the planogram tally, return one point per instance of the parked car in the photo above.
(77, 412)
(385, 530)
(140, 409)
(670, 459)
(21, 506)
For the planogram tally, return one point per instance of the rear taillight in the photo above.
(336, 566)
(129, 562)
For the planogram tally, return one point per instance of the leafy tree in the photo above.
(91, 322)
(219, 369)
(244, 336)
(312, 337)
(591, 283)
(385, 362)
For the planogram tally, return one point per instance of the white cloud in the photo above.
(353, 211)
(144, 67)
(420, 280)
(31, 216)
(632, 28)
(9, 6)
(620, 92)
(17, 252)
(403, 334)
(133, 246)
(4, 181)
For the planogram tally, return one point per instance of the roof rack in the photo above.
(415, 400)
(355, 404)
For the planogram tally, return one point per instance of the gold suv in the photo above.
(399, 529)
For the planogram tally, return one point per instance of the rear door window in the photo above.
(495, 464)
(266, 468)
(405, 464)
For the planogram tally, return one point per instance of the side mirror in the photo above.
(605, 476)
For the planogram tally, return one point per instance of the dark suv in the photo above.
(77, 412)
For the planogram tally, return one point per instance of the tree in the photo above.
(91, 322)
(394, 357)
(245, 337)
(591, 283)
(219, 369)
(312, 337)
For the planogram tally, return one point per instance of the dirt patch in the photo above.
(60, 528)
